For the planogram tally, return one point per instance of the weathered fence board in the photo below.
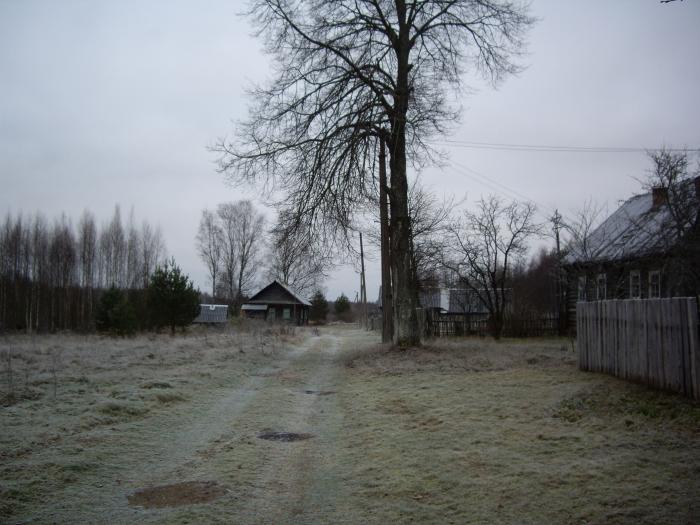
(654, 341)
(448, 325)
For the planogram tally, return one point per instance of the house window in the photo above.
(635, 285)
(655, 283)
(601, 286)
(582, 288)
(287, 314)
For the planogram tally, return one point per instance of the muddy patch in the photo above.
(286, 437)
(177, 494)
(320, 392)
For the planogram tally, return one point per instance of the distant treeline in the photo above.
(53, 273)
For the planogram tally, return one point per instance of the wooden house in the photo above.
(645, 249)
(461, 302)
(464, 302)
(279, 303)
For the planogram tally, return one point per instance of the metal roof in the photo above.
(455, 300)
(636, 229)
(434, 298)
(212, 313)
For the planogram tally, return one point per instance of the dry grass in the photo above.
(72, 405)
(474, 431)
(459, 431)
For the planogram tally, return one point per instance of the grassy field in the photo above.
(482, 432)
(166, 429)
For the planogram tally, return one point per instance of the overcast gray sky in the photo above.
(105, 103)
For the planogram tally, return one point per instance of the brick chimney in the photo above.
(659, 195)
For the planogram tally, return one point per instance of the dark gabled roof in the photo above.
(297, 298)
(212, 313)
(636, 229)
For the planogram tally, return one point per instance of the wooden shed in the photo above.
(277, 302)
(212, 314)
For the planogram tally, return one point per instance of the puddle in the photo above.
(284, 436)
(320, 392)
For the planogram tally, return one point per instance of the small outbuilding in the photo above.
(212, 314)
(277, 302)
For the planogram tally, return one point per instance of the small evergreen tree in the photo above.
(319, 308)
(171, 299)
(115, 314)
(342, 308)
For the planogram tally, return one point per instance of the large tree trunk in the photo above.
(406, 331)
(496, 325)
(387, 296)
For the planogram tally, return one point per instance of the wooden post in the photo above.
(363, 287)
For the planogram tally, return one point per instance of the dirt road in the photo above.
(213, 438)
(468, 431)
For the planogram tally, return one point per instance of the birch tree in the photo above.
(209, 242)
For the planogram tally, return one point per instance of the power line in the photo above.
(502, 189)
(552, 148)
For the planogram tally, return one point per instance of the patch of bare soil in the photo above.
(177, 494)
(286, 437)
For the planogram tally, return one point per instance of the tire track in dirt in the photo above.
(213, 438)
(283, 486)
(164, 449)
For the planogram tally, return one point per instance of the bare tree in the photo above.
(295, 259)
(678, 192)
(113, 252)
(430, 228)
(242, 230)
(580, 245)
(226, 213)
(349, 73)
(49, 275)
(39, 269)
(63, 270)
(250, 230)
(486, 245)
(669, 173)
(152, 251)
(210, 244)
(14, 269)
(87, 254)
(132, 278)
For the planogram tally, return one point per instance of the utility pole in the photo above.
(556, 227)
(363, 286)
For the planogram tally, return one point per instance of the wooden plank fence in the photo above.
(544, 326)
(653, 341)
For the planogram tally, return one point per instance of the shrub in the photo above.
(171, 298)
(319, 308)
(115, 314)
(342, 308)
